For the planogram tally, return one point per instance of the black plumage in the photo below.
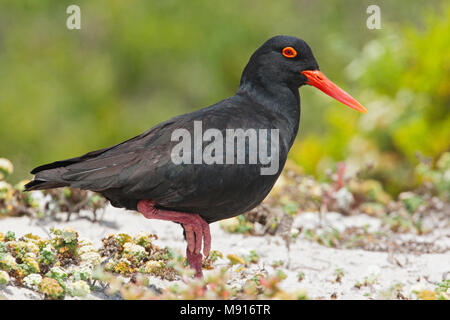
(141, 168)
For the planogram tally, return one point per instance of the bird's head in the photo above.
(289, 61)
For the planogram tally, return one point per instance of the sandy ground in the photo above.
(318, 263)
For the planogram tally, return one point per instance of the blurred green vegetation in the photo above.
(136, 63)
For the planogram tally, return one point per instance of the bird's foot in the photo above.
(195, 262)
(197, 231)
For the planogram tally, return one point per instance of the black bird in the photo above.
(141, 173)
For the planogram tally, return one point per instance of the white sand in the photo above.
(318, 263)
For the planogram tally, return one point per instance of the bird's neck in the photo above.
(277, 98)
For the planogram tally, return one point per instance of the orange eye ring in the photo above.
(289, 52)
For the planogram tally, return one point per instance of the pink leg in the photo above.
(197, 231)
(340, 175)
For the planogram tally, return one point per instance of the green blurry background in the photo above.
(136, 63)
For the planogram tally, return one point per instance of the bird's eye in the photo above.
(289, 52)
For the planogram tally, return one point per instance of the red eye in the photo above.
(289, 52)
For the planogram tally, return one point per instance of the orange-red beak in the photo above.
(318, 80)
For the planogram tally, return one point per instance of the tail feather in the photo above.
(48, 176)
(42, 185)
(63, 163)
(95, 170)
(47, 179)
(94, 174)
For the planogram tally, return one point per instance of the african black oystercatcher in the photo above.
(181, 170)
